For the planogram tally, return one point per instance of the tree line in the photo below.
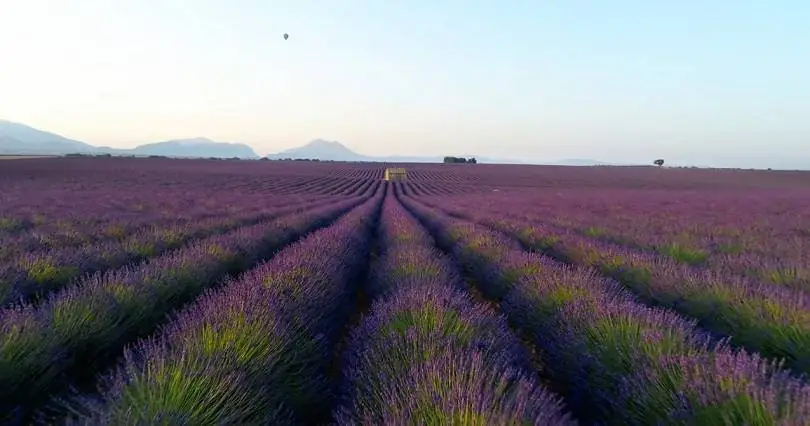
(459, 160)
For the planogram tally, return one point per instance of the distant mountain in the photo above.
(195, 147)
(335, 151)
(20, 139)
(322, 150)
(16, 138)
(9, 142)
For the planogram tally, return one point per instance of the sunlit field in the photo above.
(159, 291)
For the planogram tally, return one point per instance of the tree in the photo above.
(472, 160)
(458, 160)
(659, 162)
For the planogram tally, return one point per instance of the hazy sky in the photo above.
(614, 80)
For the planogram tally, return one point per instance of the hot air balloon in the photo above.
(286, 36)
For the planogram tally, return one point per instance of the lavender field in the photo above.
(208, 292)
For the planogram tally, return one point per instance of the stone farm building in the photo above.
(396, 173)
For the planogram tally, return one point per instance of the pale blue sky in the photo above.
(618, 80)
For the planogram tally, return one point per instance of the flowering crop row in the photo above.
(55, 208)
(772, 320)
(28, 210)
(615, 359)
(253, 352)
(427, 354)
(114, 225)
(762, 236)
(63, 233)
(319, 186)
(42, 347)
(40, 221)
(38, 273)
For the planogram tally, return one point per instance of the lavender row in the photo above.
(616, 360)
(427, 352)
(39, 273)
(37, 210)
(253, 352)
(762, 236)
(60, 233)
(44, 346)
(52, 268)
(55, 214)
(64, 233)
(774, 321)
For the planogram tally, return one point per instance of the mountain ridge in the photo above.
(27, 139)
(20, 139)
(196, 147)
(326, 150)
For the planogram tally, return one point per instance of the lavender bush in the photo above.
(619, 361)
(772, 320)
(756, 234)
(94, 319)
(38, 273)
(428, 354)
(252, 352)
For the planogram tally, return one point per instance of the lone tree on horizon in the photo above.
(461, 160)
(659, 162)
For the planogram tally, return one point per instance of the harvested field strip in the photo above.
(74, 331)
(269, 332)
(773, 321)
(618, 361)
(425, 329)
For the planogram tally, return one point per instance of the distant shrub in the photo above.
(459, 160)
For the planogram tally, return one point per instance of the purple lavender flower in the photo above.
(614, 356)
(99, 315)
(427, 353)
